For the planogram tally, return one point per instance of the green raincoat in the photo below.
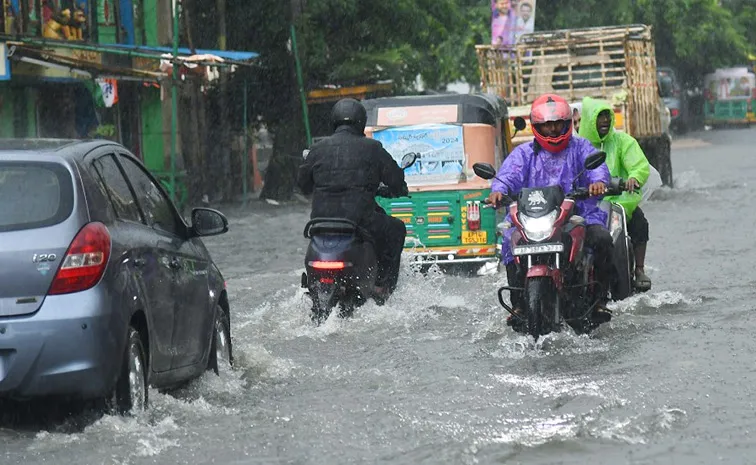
(624, 157)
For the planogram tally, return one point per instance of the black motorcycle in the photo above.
(340, 263)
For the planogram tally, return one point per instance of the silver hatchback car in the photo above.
(104, 288)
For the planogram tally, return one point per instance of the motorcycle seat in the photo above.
(336, 227)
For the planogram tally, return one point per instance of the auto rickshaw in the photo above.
(443, 213)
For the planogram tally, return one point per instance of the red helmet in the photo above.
(551, 107)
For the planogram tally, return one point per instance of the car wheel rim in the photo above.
(137, 387)
(222, 346)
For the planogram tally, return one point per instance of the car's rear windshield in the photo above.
(34, 195)
(667, 85)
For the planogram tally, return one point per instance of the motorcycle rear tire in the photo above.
(324, 299)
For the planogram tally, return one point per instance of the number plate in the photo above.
(474, 237)
(537, 249)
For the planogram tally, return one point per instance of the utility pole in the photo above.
(174, 99)
(297, 8)
(220, 5)
(224, 145)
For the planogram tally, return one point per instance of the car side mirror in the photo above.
(208, 222)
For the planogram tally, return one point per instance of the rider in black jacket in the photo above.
(344, 172)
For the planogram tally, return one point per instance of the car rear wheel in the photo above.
(130, 395)
(221, 354)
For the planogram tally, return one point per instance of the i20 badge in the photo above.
(43, 261)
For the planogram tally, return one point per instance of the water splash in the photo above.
(653, 302)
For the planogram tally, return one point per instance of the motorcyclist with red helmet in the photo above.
(555, 157)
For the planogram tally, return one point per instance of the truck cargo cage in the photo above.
(616, 63)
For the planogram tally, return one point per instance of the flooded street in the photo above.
(435, 376)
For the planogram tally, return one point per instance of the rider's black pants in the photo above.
(388, 236)
(598, 238)
(637, 227)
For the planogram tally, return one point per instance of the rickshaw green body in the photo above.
(730, 96)
(451, 133)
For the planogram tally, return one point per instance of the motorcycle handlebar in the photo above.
(581, 193)
(487, 203)
(616, 186)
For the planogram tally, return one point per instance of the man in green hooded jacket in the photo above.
(625, 159)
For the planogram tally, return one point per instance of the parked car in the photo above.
(674, 98)
(104, 288)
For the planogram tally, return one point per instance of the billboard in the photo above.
(510, 19)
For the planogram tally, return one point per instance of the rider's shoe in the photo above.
(601, 314)
(642, 282)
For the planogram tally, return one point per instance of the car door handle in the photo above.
(175, 264)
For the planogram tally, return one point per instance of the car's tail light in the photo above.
(322, 265)
(84, 262)
(674, 112)
(473, 216)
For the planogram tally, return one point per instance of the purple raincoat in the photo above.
(524, 169)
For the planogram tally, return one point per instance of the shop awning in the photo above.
(66, 60)
(229, 55)
(49, 63)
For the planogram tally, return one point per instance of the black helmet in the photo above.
(349, 111)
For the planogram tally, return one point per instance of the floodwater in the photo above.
(435, 376)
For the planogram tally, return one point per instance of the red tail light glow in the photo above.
(328, 265)
(674, 112)
(473, 216)
(85, 261)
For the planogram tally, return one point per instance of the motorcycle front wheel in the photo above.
(541, 296)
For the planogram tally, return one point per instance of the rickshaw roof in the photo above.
(472, 108)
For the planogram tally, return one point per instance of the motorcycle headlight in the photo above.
(538, 229)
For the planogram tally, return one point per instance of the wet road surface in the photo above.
(435, 376)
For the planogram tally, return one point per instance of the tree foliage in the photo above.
(744, 12)
(351, 41)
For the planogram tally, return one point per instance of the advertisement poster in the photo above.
(730, 83)
(440, 147)
(510, 19)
